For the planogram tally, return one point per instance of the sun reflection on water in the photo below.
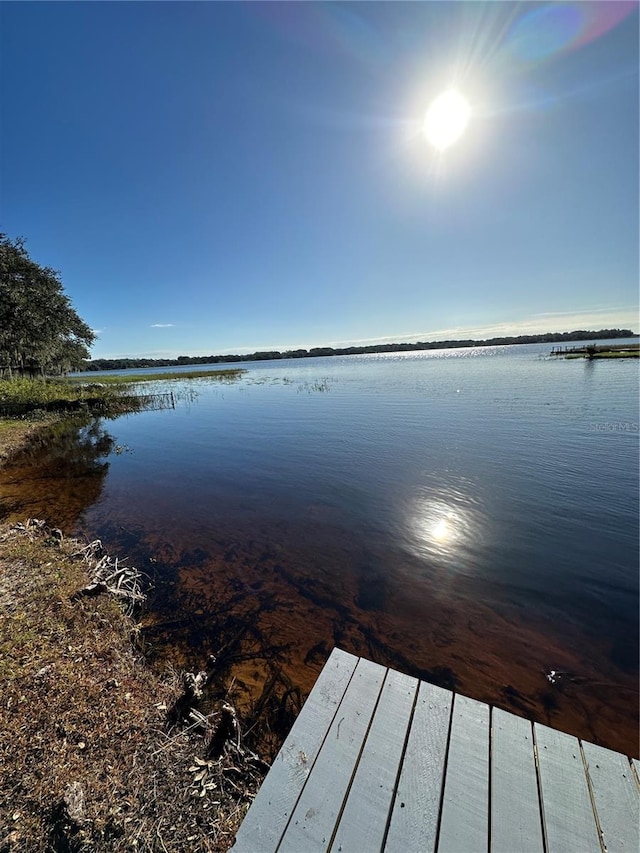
(446, 527)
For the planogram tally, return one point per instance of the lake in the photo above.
(466, 515)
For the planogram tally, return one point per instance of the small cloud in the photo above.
(162, 325)
(97, 331)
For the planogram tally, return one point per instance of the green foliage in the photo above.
(23, 394)
(40, 331)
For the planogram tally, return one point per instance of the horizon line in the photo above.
(382, 342)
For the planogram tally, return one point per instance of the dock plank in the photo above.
(378, 760)
(465, 810)
(615, 793)
(569, 820)
(312, 823)
(363, 822)
(278, 794)
(414, 819)
(516, 822)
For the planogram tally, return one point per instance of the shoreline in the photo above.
(15, 434)
(99, 747)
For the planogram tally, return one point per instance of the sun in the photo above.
(446, 119)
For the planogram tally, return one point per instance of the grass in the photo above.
(21, 396)
(610, 354)
(84, 720)
(229, 374)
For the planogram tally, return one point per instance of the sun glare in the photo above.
(440, 530)
(446, 119)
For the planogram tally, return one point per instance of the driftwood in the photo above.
(122, 582)
(107, 574)
(53, 534)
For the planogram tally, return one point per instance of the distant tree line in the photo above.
(549, 337)
(40, 331)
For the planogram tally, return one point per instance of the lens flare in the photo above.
(446, 119)
(549, 30)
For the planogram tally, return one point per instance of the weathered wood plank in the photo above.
(569, 821)
(465, 811)
(414, 820)
(332, 784)
(363, 822)
(313, 821)
(266, 820)
(516, 822)
(615, 793)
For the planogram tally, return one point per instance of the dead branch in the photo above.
(122, 582)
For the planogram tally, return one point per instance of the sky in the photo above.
(230, 177)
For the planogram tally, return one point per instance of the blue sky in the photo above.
(226, 177)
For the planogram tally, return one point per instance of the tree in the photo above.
(40, 331)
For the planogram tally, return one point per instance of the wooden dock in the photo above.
(380, 761)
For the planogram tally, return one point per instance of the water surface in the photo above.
(470, 516)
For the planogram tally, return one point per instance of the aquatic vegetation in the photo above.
(229, 374)
(108, 396)
(318, 385)
(22, 395)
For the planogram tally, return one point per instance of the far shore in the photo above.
(104, 364)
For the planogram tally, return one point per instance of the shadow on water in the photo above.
(61, 471)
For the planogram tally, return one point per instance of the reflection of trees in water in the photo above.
(59, 474)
